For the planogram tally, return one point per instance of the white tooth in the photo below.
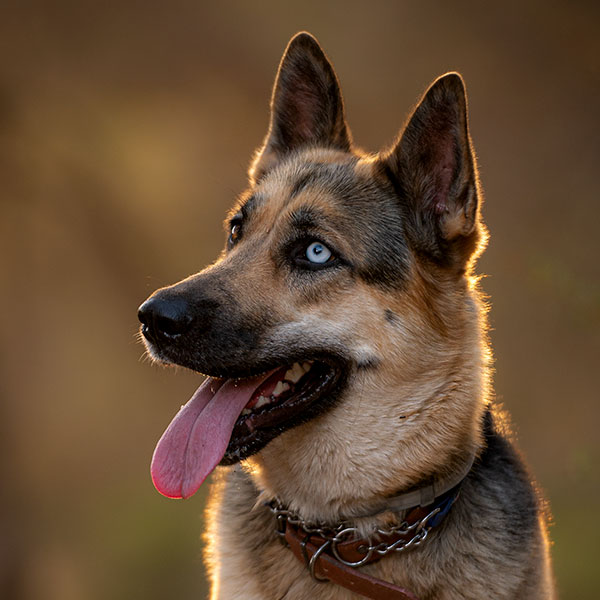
(289, 374)
(281, 386)
(261, 402)
(306, 366)
(246, 411)
(294, 373)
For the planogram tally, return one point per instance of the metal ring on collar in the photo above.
(313, 562)
(339, 538)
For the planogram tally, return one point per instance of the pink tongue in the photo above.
(195, 441)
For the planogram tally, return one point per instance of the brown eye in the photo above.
(234, 233)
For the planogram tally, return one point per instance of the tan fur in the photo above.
(413, 331)
(260, 568)
(431, 387)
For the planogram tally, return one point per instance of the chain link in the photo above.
(333, 536)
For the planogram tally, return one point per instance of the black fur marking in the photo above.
(367, 364)
(391, 316)
(379, 228)
(307, 218)
(307, 225)
(221, 338)
(302, 182)
(370, 217)
(315, 174)
(249, 206)
(502, 477)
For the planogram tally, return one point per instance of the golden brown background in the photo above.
(125, 131)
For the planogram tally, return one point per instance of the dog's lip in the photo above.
(252, 432)
(263, 367)
(321, 368)
(266, 416)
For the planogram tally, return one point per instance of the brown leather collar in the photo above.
(333, 554)
(325, 567)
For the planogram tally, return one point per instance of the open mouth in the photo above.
(227, 420)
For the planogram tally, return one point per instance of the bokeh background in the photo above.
(125, 132)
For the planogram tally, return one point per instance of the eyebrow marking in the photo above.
(248, 206)
(310, 174)
(307, 218)
(301, 183)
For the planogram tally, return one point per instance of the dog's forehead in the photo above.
(336, 183)
(331, 175)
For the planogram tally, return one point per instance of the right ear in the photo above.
(306, 106)
(432, 166)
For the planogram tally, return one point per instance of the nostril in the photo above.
(164, 316)
(172, 326)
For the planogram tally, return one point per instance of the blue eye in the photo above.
(318, 253)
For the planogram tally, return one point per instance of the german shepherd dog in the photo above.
(348, 391)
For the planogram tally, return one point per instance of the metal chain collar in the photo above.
(343, 532)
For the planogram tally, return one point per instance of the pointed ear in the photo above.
(306, 105)
(433, 168)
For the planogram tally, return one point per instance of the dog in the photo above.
(348, 398)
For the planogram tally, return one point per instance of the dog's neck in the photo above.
(422, 496)
(390, 509)
(323, 476)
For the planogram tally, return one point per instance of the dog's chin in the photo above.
(311, 383)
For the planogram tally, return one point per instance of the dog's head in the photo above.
(342, 307)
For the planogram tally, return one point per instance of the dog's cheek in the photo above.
(341, 319)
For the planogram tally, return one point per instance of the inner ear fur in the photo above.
(432, 166)
(306, 106)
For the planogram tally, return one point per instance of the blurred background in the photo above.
(125, 132)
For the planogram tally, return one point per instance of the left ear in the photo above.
(306, 106)
(433, 168)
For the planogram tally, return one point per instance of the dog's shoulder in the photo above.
(492, 541)
(502, 508)
(501, 477)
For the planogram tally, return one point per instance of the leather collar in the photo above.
(334, 553)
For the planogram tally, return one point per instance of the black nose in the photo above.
(164, 317)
